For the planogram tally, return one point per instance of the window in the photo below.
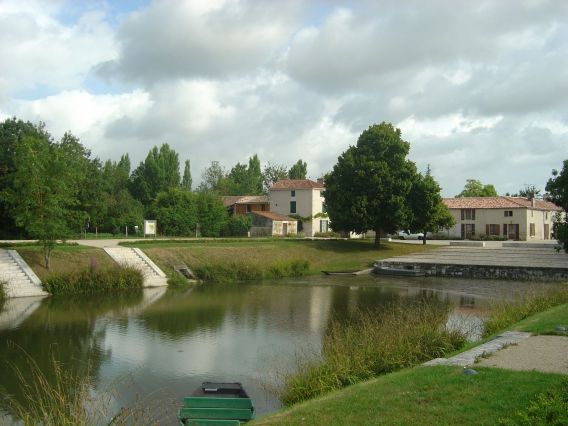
(508, 213)
(492, 229)
(532, 229)
(292, 207)
(324, 225)
(293, 193)
(468, 214)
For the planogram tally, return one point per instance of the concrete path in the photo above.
(548, 354)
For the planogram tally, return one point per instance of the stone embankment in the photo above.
(153, 275)
(513, 263)
(20, 280)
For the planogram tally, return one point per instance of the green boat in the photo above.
(217, 404)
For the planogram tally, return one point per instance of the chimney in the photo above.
(320, 180)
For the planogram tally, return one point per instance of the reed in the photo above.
(227, 272)
(372, 343)
(3, 285)
(91, 281)
(505, 314)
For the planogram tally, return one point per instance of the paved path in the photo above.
(489, 256)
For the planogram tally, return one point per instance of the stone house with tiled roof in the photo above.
(243, 204)
(514, 218)
(269, 223)
(301, 198)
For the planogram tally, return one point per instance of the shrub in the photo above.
(328, 234)
(90, 281)
(375, 342)
(3, 285)
(247, 271)
(237, 226)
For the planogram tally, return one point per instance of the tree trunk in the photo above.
(424, 238)
(377, 238)
(46, 256)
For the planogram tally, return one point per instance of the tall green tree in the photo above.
(123, 211)
(159, 172)
(369, 185)
(273, 173)
(44, 193)
(298, 170)
(474, 188)
(557, 187)
(176, 212)
(214, 179)
(427, 211)
(186, 181)
(211, 214)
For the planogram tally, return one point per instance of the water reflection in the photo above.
(164, 343)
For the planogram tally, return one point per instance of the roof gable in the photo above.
(288, 184)
(500, 202)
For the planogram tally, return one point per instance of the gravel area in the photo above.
(541, 353)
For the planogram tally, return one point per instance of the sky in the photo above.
(478, 88)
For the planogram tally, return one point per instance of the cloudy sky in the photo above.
(478, 88)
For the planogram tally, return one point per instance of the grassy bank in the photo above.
(506, 314)
(425, 396)
(268, 258)
(372, 343)
(90, 281)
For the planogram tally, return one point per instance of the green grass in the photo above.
(94, 281)
(371, 343)
(270, 258)
(545, 322)
(424, 396)
(506, 314)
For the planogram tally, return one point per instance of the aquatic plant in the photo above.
(92, 280)
(371, 343)
(3, 285)
(249, 271)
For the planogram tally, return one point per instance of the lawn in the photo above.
(423, 395)
(321, 254)
(545, 322)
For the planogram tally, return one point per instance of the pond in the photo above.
(156, 346)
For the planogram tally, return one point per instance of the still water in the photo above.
(156, 346)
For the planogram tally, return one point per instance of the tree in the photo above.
(159, 172)
(211, 214)
(186, 180)
(369, 185)
(428, 213)
(123, 210)
(557, 187)
(44, 191)
(474, 188)
(214, 179)
(529, 191)
(176, 212)
(298, 170)
(273, 173)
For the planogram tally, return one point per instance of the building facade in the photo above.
(512, 218)
(301, 199)
(243, 204)
(272, 224)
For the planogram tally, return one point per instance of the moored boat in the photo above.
(385, 270)
(217, 404)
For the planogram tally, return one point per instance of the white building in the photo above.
(301, 199)
(514, 218)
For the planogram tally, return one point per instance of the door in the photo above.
(285, 228)
(546, 231)
(513, 231)
(468, 230)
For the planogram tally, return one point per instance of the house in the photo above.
(269, 223)
(243, 204)
(513, 218)
(301, 199)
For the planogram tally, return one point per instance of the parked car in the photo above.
(407, 235)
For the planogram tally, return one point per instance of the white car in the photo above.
(407, 235)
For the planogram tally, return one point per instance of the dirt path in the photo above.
(541, 353)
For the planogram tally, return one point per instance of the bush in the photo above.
(328, 234)
(91, 281)
(237, 226)
(3, 285)
(372, 343)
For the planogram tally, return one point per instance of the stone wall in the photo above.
(485, 272)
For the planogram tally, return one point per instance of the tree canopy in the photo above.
(298, 170)
(474, 188)
(369, 185)
(557, 187)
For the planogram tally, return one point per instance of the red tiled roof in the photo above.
(498, 203)
(287, 184)
(274, 216)
(230, 200)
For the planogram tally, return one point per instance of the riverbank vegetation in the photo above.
(372, 343)
(237, 259)
(92, 281)
(3, 285)
(505, 314)
(425, 396)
